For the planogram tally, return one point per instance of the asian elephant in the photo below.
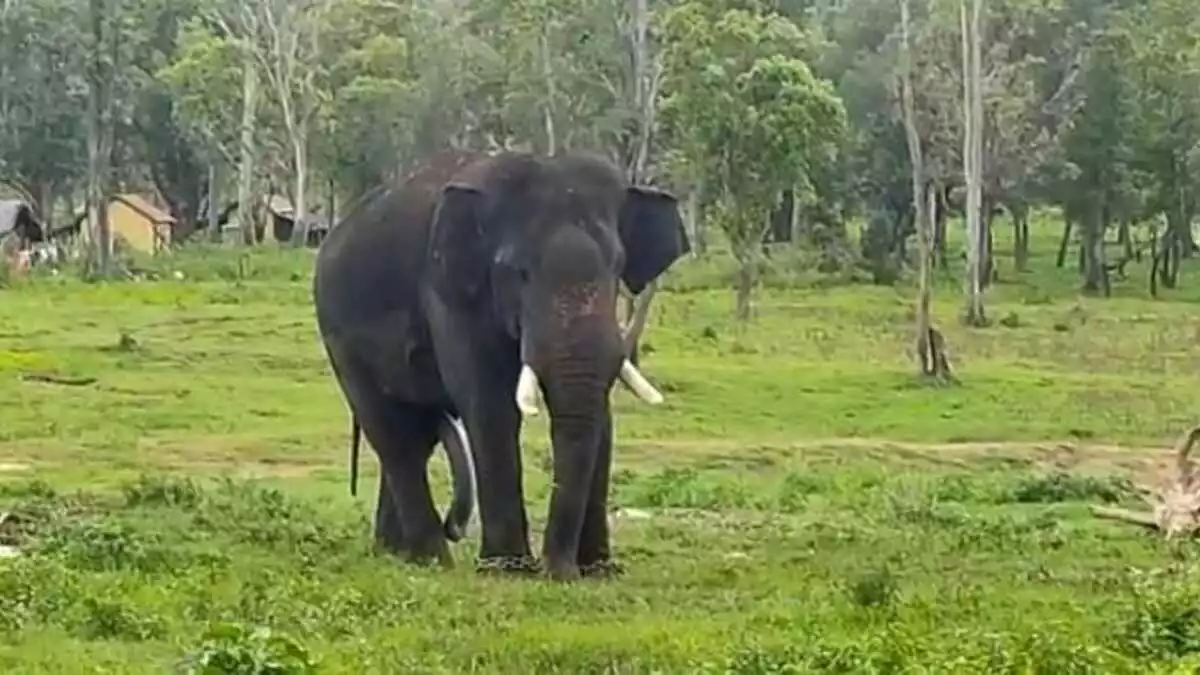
(465, 291)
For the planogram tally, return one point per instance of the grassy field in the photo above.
(811, 506)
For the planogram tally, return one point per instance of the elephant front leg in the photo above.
(495, 432)
(595, 556)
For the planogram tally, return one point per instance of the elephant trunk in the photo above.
(579, 413)
(572, 352)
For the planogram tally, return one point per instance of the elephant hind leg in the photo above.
(403, 436)
(388, 533)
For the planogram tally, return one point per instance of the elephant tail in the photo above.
(462, 470)
(355, 440)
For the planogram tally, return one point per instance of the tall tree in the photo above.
(289, 59)
(213, 81)
(973, 158)
(1165, 60)
(105, 40)
(42, 99)
(928, 342)
(756, 115)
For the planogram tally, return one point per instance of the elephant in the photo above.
(476, 289)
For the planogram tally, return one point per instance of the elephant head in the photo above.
(541, 244)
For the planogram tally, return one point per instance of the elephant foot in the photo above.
(389, 538)
(521, 566)
(563, 571)
(602, 569)
(430, 553)
(389, 544)
(436, 552)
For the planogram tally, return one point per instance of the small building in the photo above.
(19, 225)
(20, 230)
(136, 223)
(283, 222)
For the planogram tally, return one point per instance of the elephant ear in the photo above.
(457, 249)
(652, 234)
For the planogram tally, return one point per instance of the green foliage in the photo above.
(747, 115)
(1164, 618)
(232, 649)
(205, 82)
(754, 116)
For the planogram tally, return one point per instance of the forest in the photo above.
(773, 122)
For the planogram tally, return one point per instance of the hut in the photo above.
(20, 228)
(19, 225)
(138, 224)
(283, 222)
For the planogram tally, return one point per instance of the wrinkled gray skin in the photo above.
(431, 294)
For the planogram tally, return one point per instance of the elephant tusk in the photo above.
(638, 384)
(527, 392)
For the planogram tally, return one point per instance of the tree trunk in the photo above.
(745, 287)
(989, 272)
(644, 94)
(1092, 250)
(796, 224)
(330, 206)
(939, 230)
(1173, 248)
(548, 105)
(247, 151)
(1065, 243)
(300, 196)
(99, 142)
(973, 157)
(1125, 235)
(49, 199)
(1181, 222)
(73, 238)
(645, 88)
(694, 219)
(1020, 218)
(925, 272)
(1183, 219)
(925, 205)
(214, 210)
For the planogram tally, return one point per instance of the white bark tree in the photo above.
(247, 150)
(929, 342)
(973, 158)
(102, 69)
(916, 159)
(646, 76)
(283, 39)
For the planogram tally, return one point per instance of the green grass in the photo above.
(812, 506)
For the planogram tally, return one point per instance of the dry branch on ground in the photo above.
(1176, 506)
(64, 380)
